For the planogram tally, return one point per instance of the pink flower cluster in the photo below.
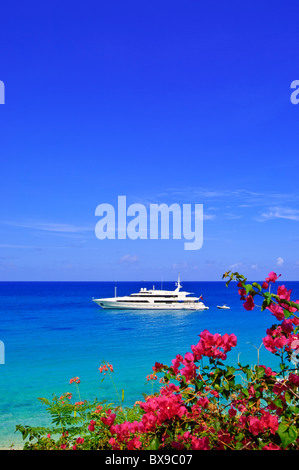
(160, 409)
(281, 336)
(210, 345)
(167, 408)
(126, 433)
(277, 309)
(188, 415)
(249, 301)
(195, 442)
(214, 346)
(267, 421)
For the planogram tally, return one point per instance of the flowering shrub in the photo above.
(202, 404)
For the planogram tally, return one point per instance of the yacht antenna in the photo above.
(115, 289)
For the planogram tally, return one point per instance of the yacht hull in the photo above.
(118, 305)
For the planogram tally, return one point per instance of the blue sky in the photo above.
(162, 102)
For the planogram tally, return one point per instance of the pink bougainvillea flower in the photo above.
(255, 426)
(158, 367)
(91, 425)
(284, 293)
(229, 341)
(203, 402)
(287, 326)
(294, 379)
(242, 293)
(176, 363)
(268, 421)
(169, 389)
(276, 310)
(134, 443)
(249, 304)
(109, 418)
(271, 447)
(113, 442)
(268, 371)
(189, 371)
(272, 277)
(272, 344)
(189, 357)
(210, 345)
(200, 443)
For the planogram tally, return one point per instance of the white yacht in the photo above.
(152, 299)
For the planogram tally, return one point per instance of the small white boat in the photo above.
(153, 299)
(224, 307)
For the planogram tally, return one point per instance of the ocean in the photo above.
(52, 331)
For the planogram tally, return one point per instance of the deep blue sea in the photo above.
(52, 331)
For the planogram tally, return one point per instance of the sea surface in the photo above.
(52, 331)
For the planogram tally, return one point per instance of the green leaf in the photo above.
(216, 426)
(248, 288)
(287, 434)
(288, 397)
(268, 298)
(278, 403)
(155, 443)
(230, 370)
(287, 314)
(248, 373)
(258, 286)
(122, 395)
(45, 401)
(239, 436)
(260, 372)
(225, 385)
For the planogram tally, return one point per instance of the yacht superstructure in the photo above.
(154, 299)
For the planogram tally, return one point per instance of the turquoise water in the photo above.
(52, 331)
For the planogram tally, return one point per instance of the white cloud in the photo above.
(129, 259)
(281, 213)
(279, 261)
(51, 227)
(235, 266)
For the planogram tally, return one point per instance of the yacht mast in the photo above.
(178, 283)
